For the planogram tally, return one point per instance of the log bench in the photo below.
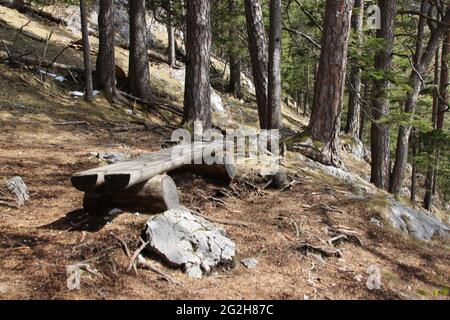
(142, 183)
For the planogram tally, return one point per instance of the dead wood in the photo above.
(306, 248)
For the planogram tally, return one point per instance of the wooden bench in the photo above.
(142, 183)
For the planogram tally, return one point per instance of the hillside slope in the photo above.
(38, 241)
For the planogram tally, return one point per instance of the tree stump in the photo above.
(155, 195)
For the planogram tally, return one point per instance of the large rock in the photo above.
(216, 101)
(417, 224)
(188, 241)
(342, 175)
(355, 148)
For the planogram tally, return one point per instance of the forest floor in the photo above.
(38, 241)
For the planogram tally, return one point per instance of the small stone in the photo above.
(359, 277)
(3, 288)
(376, 222)
(249, 263)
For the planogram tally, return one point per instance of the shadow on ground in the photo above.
(82, 220)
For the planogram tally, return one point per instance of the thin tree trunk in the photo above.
(429, 182)
(86, 53)
(444, 80)
(138, 67)
(329, 89)
(421, 63)
(171, 50)
(354, 104)
(379, 137)
(258, 55)
(197, 93)
(306, 97)
(414, 172)
(274, 78)
(234, 84)
(363, 112)
(105, 67)
(443, 101)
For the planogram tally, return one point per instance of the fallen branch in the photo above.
(4, 55)
(135, 254)
(237, 223)
(306, 247)
(146, 265)
(8, 204)
(159, 104)
(63, 123)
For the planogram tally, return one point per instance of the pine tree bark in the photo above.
(422, 60)
(329, 89)
(442, 100)
(258, 55)
(379, 135)
(354, 105)
(274, 78)
(86, 53)
(444, 81)
(171, 48)
(429, 181)
(138, 67)
(306, 97)
(234, 84)
(363, 112)
(414, 171)
(197, 93)
(105, 66)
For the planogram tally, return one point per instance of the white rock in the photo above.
(216, 102)
(188, 241)
(249, 263)
(418, 224)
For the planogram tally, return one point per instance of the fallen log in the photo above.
(42, 63)
(155, 195)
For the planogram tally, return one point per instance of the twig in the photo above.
(18, 34)
(145, 265)
(124, 245)
(63, 123)
(8, 204)
(306, 247)
(135, 254)
(225, 222)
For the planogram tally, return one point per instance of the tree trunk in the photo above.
(306, 97)
(444, 80)
(19, 5)
(414, 173)
(379, 135)
(86, 53)
(354, 102)
(363, 112)
(329, 89)
(234, 84)
(197, 93)
(274, 78)
(157, 194)
(422, 60)
(171, 50)
(105, 67)
(429, 182)
(138, 67)
(442, 100)
(258, 55)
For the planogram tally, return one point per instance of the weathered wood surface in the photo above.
(155, 195)
(130, 172)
